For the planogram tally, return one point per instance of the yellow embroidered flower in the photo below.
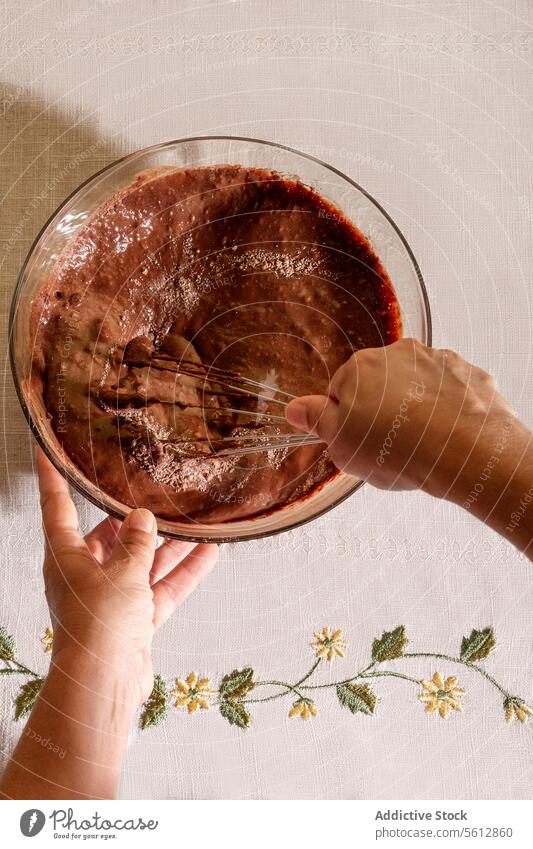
(48, 640)
(516, 707)
(441, 696)
(304, 708)
(328, 645)
(194, 693)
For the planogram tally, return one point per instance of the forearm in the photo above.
(83, 715)
(496, 483)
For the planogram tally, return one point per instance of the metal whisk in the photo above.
(226, 384)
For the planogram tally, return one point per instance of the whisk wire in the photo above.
(234, 385)
(217, 375)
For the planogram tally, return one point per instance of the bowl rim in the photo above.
(18, 290)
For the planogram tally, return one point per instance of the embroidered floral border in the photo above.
(441, 696)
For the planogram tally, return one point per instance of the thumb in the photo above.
(136, 539)
(315, 414)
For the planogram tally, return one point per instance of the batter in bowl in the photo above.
(232, 267)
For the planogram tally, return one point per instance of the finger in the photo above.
(136, 540)
(315, 414)
(60, 519)
(178, 585)
(102, 538)
(345, 376)
(167, 557)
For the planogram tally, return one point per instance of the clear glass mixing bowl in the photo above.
(384, 236)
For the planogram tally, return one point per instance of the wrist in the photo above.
(85, 713)
(112, 685)
(473, 466)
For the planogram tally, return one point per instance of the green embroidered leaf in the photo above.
(391, 645)
(358, 698)
(235, 713)
(478, 645)
(7, 646)
(27, 697)
(155, 708)
(237, 684)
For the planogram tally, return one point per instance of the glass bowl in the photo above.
(368, 216)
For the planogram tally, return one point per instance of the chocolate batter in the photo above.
(234, 267)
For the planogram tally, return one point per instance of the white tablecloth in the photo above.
(427, 105)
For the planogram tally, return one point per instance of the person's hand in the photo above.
(108, 591)
(407, 416)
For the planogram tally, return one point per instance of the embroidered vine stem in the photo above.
(360, 674)
(467, 663)
(314, 666)
(386, 674)
(364, 673)
(20, 670)
(367, 673)
(287, 687)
